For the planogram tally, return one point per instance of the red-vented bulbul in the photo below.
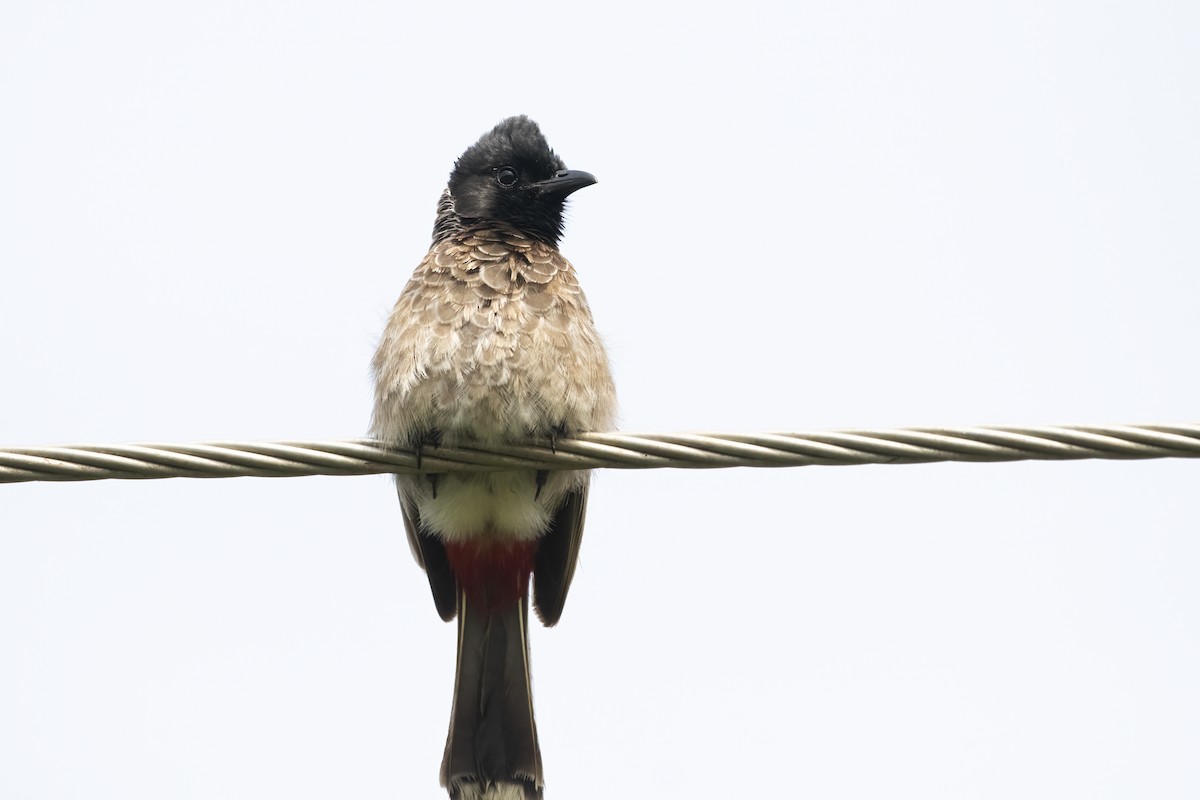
(492, 342)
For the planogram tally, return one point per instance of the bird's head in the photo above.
(512, 176)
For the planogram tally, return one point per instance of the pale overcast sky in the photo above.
(808, 216)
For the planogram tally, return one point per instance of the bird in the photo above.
(491, 343)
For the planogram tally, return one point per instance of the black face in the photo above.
(512, 176)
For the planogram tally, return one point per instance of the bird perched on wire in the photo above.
(492, 342)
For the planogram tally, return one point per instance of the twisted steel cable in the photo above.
(615, 450)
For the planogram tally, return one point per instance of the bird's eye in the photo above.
(506, 177)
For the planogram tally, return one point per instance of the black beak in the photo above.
(563, 183)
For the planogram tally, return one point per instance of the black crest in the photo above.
(511, 176)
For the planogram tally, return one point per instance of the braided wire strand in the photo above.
(594, 450)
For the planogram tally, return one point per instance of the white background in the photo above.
(809, 216)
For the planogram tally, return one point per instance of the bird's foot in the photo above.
(558, 431)
(431, 437)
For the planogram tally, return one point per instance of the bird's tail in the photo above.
(492, 748)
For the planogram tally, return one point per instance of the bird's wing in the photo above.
(431, 555)
(557, 553)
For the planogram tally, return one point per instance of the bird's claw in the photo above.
(429, 438)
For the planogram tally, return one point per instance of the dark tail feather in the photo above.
(492, 748)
